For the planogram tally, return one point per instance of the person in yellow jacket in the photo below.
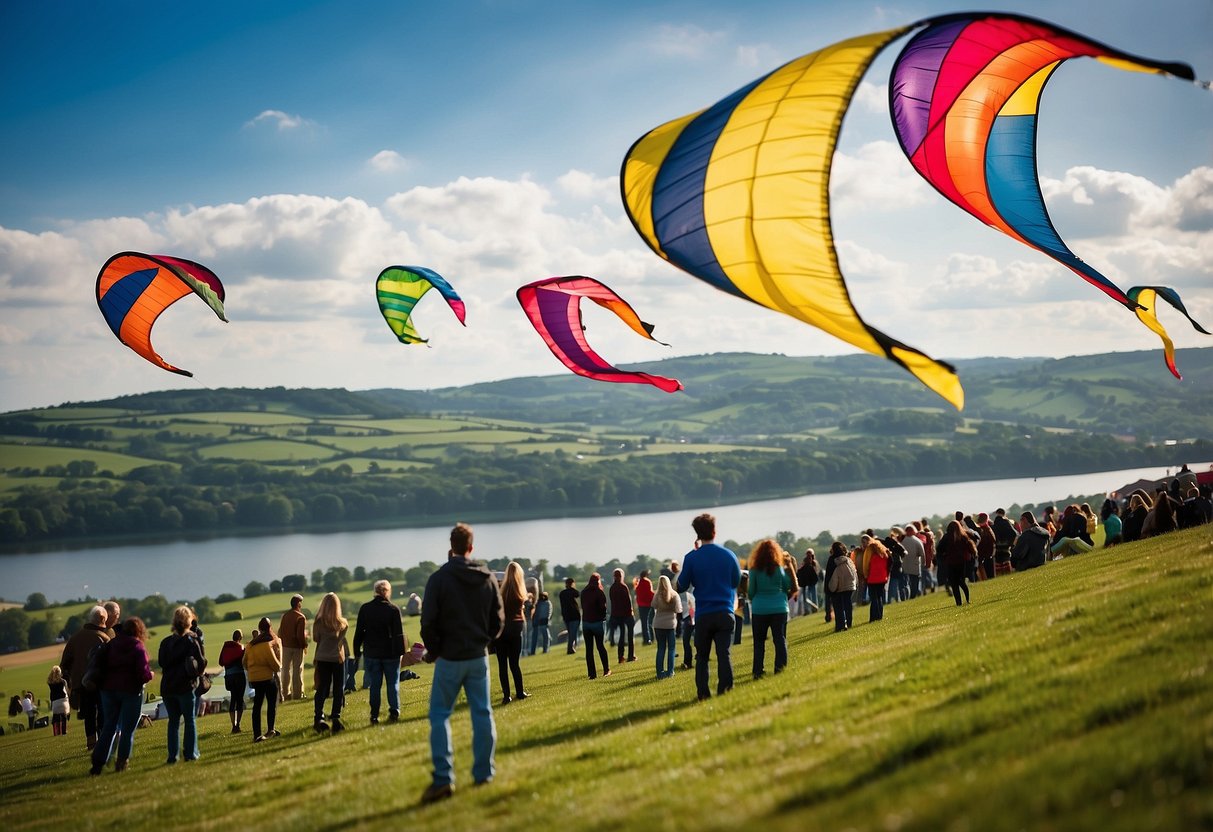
(262, 663)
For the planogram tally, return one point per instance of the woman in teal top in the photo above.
(768, 591)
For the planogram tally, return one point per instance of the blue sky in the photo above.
(299, 147)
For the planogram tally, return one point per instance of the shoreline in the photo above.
(432, 521)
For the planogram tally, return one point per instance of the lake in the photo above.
(192, 569)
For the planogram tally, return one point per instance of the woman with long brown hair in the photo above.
(956, 549)
(509, 643)
(768, 591)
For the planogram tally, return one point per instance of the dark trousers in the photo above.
(843, 607)
(777, 625)
(592, 631)
(876, 596)
(265, 692)
(688, 639)
(90, 711)
(626, 625)
(713, 629)
(330, 677)
(509, 650)
(956, 582)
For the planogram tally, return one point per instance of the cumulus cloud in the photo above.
(282, 120)
(388, 161)
(872, 98)
(299, 271)
(876, 178)
(684, 41)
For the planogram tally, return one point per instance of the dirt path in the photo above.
(48, 656)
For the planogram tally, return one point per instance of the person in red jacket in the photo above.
(644, 605)
(876, 573)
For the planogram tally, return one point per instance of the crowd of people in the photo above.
(708, 599)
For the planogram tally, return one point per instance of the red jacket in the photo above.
(644, 593)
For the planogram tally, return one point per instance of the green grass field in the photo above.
(13, 455)
(1076, 696)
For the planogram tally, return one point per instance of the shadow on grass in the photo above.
(602, 726)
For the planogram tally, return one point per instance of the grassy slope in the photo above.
(1074, 696)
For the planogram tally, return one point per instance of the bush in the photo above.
(233, 615)
(225, 598)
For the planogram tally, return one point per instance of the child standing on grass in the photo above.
(58, 697)
(667, 606)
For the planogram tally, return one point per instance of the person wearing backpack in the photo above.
(125, 669)
(182, 662)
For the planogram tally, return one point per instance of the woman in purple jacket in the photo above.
(127, 670)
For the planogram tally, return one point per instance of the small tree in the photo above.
(254, 588)
(36, 601)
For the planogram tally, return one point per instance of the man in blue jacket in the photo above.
(460, 615)
(712, 572)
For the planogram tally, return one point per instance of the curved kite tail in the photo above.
(1147, 313)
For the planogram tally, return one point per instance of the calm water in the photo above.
(209, 567)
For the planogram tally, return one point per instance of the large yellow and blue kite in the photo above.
(738, 194)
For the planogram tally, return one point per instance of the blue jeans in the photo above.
(120, 714)
(665, 653)
(713, 629)
(646, 624)
(472, 677)
(375, 671)
(574, 628)
(541, 636)
(777, 624)
(181, 705)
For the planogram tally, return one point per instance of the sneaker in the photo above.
(524, 695)
(505, 700)
(394, 716)
(320, 726)
(607, 673)
(259, 738)
(273, 732)
(235, 729)
(374, 720)
(436, 791)
(338, 725)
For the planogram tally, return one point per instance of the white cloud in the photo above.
(684, 41)
(872, 98)
(299, 271)
(284, 121)
(388, 161)
(876, 178)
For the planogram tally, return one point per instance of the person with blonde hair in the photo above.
(58, 697)
(262, 664)
(509, 643)
(182, 662)
(768, 589)
(667, 606)
(328, 632)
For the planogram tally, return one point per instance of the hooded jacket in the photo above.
(1029, 549)
(263, 658)
(462, 611)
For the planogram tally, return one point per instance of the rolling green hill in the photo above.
(748, 427)
(1072, 697)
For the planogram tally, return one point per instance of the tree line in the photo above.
(230, 498)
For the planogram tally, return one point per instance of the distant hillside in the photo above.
(742, 394)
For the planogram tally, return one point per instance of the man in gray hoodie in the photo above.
(460, 615)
